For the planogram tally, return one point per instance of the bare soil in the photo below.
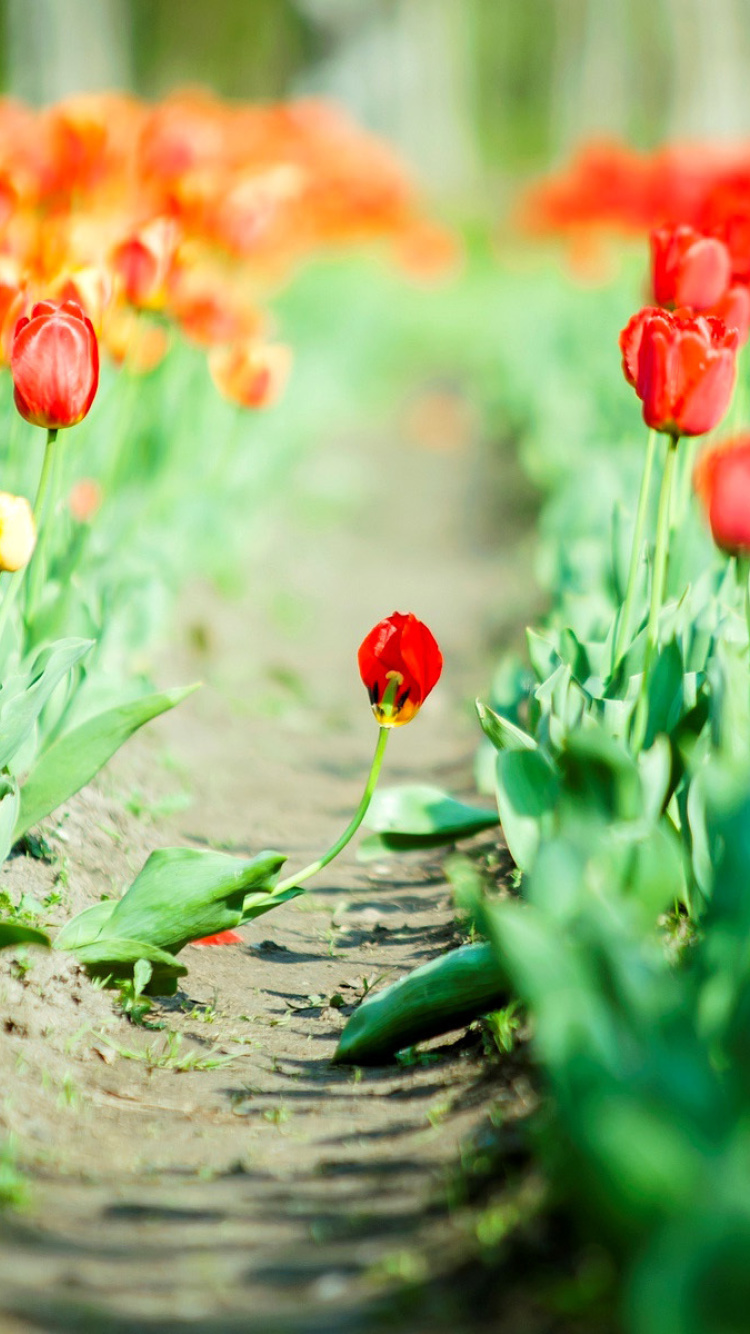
(267, 1190)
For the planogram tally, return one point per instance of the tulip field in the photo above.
(459, 1040)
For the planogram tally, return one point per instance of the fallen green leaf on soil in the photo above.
(442, 995)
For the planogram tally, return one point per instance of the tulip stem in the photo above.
(626, 613)
(353, 825)
(658, 586)
(49, 482)
(17, 578)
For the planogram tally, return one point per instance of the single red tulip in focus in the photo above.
(722, 481)
(400, 663)
(682, 368)
(54, 362)
(688, 269)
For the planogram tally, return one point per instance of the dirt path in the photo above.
(269, 1191)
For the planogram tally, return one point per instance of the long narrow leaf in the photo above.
(73, 760)
(23, 697)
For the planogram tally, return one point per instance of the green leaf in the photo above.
(117, 957)
(543, 655)
(655, 768)
(526, 794)
(86, 926)
(183, 894)
(419, 817)
(22, 697)
(444, 994)
(665, 692)
(599, 773)
(9, 803)
(73, 760)
(142, 973)
(12, 933)
(503, 734)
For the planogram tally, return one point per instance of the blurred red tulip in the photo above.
(85, 499)
(142, 262)
(722, 481)
(54, 362)
(221, 938)
(688, 269)
(400, 663)
(682, 368)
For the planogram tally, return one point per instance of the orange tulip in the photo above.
(251, 374)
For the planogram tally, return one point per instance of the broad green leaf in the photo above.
(23, 697)
(183, 894)
(444, 994)
(503, 734)
(665, 692)
(86, 926)
(419, 817)
(599, 773)
(655, 768)
(73, 760)
(12, 934)
(117, 957)
(526, 793)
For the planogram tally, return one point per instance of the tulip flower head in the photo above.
(54, 362)
(17, 532)
(400, 663)
(688, 269)
(722, 482)
(85, 499)
(682, 367)
(249, 373)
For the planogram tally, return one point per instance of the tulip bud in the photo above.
(17, 532)
(400, 663)
(54, 362)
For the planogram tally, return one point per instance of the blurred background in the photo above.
(473, 92)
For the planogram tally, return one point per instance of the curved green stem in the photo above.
(626, 613)
(353, 825)
(17, 578)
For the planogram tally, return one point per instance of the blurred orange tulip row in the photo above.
(185, 214)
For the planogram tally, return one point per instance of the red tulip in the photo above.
(143, 261)
(688, 269)
(399, 662)
(722, 481)
(54, 362)
(221, 938)
(681, 366)
(734, 309)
